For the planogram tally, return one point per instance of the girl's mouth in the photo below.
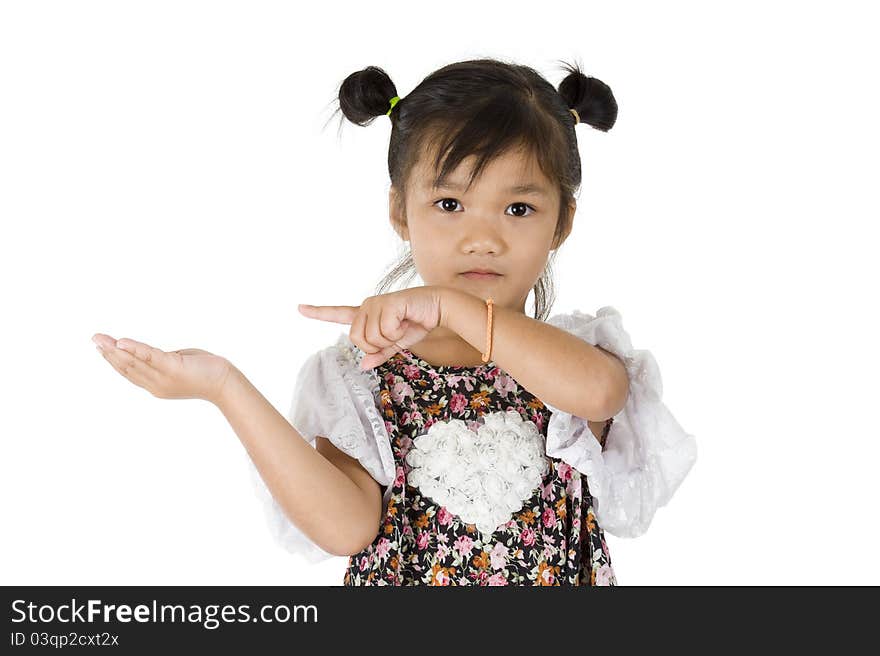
(473, 275)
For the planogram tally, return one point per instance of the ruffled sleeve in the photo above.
(647, 454)
(333, 398)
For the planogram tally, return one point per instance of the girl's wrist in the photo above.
(447, 297)
(469, 317)
(229, 387)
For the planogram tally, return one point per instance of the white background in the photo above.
(166, 175)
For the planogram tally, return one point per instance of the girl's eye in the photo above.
(528, 207)
(451, 202)
(447, 202)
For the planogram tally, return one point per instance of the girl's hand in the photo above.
(184, 374)
(383, 325)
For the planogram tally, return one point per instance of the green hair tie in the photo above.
(393, 102)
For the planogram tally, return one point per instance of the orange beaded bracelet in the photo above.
(488, 352)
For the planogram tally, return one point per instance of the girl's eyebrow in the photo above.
(522, 188)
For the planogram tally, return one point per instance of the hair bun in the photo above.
(365, 94)
(591, 98)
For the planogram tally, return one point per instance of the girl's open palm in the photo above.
(384, 324)
(184, 374)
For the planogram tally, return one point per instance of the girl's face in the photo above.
(504, 223)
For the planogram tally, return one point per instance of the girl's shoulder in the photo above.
(607, 323)
(338, 362)
(647, 452)
(334, 398)
(603, 329)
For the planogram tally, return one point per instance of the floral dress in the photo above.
(482, 483)
(551, 537)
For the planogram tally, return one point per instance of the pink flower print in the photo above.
(605, 549)
(442, 551)
(455, 379)
(399, 477)
(411, 371)
(458, 403)
(383, 546)
(422, 540)
(498, 556)
(444, 517)
(548, 517)
(564, 470)
(400, 391)
(496, 579)
(604, 575)
(464, 545)
(416, 417)
(547, 490)
(504, 384)
(574, 488)
(473, 425)
(363, 563)
(539, 421)
(527, 537)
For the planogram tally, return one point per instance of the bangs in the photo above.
(505, 123)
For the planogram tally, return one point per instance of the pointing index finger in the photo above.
(335, 313)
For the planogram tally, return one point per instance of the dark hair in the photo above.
(483, 107)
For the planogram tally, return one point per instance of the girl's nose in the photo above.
(480, 237)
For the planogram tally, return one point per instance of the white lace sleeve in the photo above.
(647, 453)
(335, 399)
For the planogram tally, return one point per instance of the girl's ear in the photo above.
(569, 220)
(396, 214)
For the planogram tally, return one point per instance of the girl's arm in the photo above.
(554, 365)
(340, 515)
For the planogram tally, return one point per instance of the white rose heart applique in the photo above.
(482, 477)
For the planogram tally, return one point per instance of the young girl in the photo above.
(458, 441)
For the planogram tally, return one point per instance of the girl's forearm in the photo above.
(320, 500)
(585, 380)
